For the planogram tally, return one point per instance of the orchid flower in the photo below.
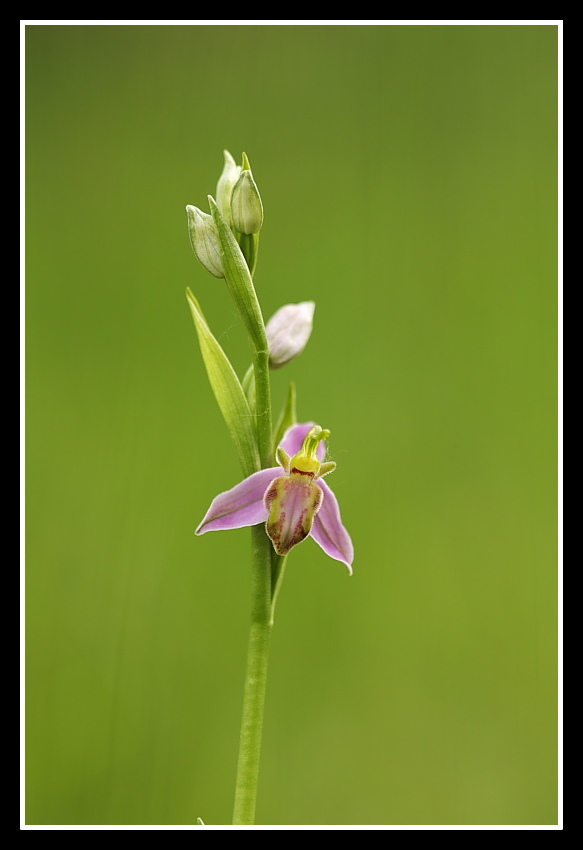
(292, 499)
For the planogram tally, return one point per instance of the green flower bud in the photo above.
(227, 180)
(205, 240)
(246, 206)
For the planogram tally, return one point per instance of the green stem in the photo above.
(239, 279)
(261, 620)
(263, 409)
(277, 574)
(255, 680)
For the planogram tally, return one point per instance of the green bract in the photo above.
(239, 280)
(227, 389)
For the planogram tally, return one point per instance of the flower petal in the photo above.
(241, 505)
(328, 530)
(293, 501)
(294, 437)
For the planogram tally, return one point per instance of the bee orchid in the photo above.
(292, 499)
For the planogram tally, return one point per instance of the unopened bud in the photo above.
(205, 240)
(227, 180)
(246, 206)
(288, 332)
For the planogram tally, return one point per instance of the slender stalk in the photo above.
(277, 573)
(255, 681)
(263, 408)
(261, 622)
(239, 279)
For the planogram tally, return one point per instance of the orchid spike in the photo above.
(292, 499)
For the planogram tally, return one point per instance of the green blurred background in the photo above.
(409, 178)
